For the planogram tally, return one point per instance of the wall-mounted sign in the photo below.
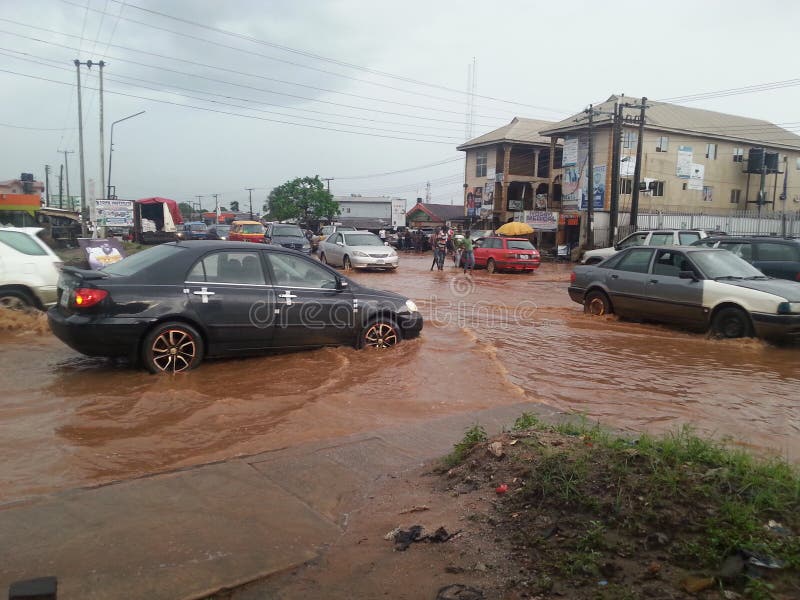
(684, 164)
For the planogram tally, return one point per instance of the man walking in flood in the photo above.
(467, 253)
(440, 248)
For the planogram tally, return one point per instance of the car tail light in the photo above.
(797, 277)
(86, 297)
(573, 277)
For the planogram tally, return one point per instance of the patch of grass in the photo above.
(472, 437)
(528, 421)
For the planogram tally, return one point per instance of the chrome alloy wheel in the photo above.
(173, 350)
(381, 335)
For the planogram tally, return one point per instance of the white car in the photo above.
(357, 250)
(29, 269)
(661, 237)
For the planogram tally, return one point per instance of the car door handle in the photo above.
(615, 277)
(654, 281)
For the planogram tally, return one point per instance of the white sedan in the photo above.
(357, 250)
(29, 269)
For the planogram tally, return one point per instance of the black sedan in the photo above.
(175, 304)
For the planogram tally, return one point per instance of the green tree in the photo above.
(301, 198)
(186, 210)
(234, 206)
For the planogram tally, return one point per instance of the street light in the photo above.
(111, 149)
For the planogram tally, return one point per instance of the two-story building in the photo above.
(371, 212)
(693, 160)
(513, 174)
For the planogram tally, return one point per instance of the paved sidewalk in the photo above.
(189, 533)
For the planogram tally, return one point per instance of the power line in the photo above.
(35, 128)
(312, 55)
(435, 164)
(231, 113)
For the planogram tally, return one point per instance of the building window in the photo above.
(711, 151)
(736, 195)
(708, 193)
(663, 144)
(657, 187)
(625, 186)
(629, 139)
(738, 154)
(481, 159)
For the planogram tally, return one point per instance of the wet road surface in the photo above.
(67, 420)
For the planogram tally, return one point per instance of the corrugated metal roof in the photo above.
(446, 212)
(524, 131)
(686, 119)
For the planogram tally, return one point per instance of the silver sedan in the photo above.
(357, 250)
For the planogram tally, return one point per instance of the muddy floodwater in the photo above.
(67, 420)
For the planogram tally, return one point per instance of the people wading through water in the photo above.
(467, 253)
(439, 248)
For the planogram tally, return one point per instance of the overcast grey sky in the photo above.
(249, 93)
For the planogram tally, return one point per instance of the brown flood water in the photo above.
(68, 420)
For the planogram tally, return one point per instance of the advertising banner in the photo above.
(627, 166)
(114, 213)
(542, 220)
(101, 252)
(570, 152)
(599, 192)
(684, 165)
(697, 174)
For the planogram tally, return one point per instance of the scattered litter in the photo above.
(697, 584)
(480, 567)
(501, 489)
(453, 569)
(404, 538)
(390, 536)
(657, 539)
(458, 591)
(777, 528)
(414, 509)
(441, 535)
(496, 448)
(512, 442)
(731, 595)
(602, 582)
(761, 560)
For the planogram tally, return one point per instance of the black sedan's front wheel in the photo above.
(172, 348)
(381, 333)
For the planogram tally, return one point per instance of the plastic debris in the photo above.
(501, 489)
(458, 591)
(761, 560)
(414, 509)
(404, 538)
(496, 448)
(697, 584)
(777, 528)
(441, 535)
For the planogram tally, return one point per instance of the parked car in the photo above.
(659, 237)
(218, 232)
(29, 269)
(692, 286)
(288, 236)
(195, 230)
(358, 250)
(773, 256)
(246, 231)
(500, 253)
(175, 304)
(327, 230)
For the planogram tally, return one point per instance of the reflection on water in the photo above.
(68, 420)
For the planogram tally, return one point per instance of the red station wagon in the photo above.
(498, 253)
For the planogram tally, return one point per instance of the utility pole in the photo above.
(614, 201)
(590, 183)
(47, 185)
(84, 229)
(61, 187)
(102, 135)
(199, 205)
(637, 170)
(66, 170)
(328, 180)
(250, 191)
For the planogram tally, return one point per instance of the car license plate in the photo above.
(379, 261)
(64, 301)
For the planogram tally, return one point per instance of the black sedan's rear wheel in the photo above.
(381, 333)
(731, 322)
(172, 348)
(597, 303)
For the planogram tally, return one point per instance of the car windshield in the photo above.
(721, 264)
(520, 245)
(198, 226)
(362, 239)
(287, 231)
(141, 260)
(345, 228)
(252, 228)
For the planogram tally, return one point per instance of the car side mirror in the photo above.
(617, 247)
(687, 275)
(340, 243)
(341, 284)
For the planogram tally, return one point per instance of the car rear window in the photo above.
(520, 245)
(142, 260)
(22, 242)
(688, 237)
(662, 239)
(287, 230)
(254, 228)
